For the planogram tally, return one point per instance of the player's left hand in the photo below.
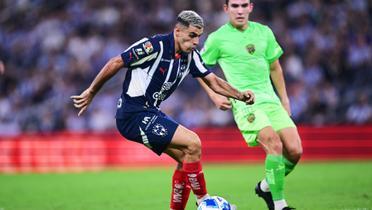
(248, 97)
(83, 100)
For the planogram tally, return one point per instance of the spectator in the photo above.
(47, 45)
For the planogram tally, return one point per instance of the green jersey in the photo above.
(245, 58)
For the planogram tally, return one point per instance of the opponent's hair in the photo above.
(189, 17)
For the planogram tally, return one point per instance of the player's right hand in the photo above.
(83, 100)
(221, 102)
(248, 97)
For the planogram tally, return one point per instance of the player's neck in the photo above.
(241, 28)
(177, 48)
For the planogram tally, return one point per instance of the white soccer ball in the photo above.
(214, 203)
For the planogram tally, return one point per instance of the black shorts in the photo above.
(152, 128)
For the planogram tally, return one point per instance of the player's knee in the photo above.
(295, 153)
(274, 145)
(194, 146)
(180, 159)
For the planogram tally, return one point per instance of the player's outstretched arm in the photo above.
(221, 102)
(83, 100)
(222, 87)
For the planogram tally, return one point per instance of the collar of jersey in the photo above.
(234, 29)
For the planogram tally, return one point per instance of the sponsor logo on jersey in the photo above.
(158, 96)
(139, 51)
(148, 47)
(167, 86)
(134, 53)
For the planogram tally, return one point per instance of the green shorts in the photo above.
(252, 118)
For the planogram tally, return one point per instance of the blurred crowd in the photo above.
(53, 49)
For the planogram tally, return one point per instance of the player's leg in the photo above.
(189, 143)
(180, 188)
(292, 148)
(270, 141)
(285, 127)
(156, 131)
(251, 120)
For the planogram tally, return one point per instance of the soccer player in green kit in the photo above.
(248, 54)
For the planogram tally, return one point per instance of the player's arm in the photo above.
(2, 67)
(276, 73)
(221, 102)
(83, 100)
(222, 87)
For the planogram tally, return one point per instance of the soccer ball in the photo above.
(214, 203)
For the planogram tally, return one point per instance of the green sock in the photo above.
(289, 166)
(275, 170)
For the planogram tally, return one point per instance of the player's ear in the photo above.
(225, 7)
(177, 30)
(250, 7)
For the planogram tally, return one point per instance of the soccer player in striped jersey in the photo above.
(248, 54)
(156, 66)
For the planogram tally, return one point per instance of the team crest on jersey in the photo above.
(251, 117)
(250, 48)
(148, 47)
(159, 130)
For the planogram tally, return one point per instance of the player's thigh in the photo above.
(184, 139)
(269, 140)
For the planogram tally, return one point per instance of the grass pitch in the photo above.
(312, 186)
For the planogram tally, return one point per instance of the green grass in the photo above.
(313, 186)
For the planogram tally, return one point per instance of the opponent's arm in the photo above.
(220, 86)
(276, 73)
(221, 102)
(83, 100)
(2, 67)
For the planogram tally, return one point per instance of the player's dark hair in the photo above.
(227, 2)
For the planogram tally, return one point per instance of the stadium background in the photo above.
(53, 49)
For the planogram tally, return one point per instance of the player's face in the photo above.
(238, 11)
(187, 38)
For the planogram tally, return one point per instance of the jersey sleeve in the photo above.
(140, 52)
(210, 52)
(273, 50)
(197, 66)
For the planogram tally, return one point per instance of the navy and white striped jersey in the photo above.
(154, 72)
